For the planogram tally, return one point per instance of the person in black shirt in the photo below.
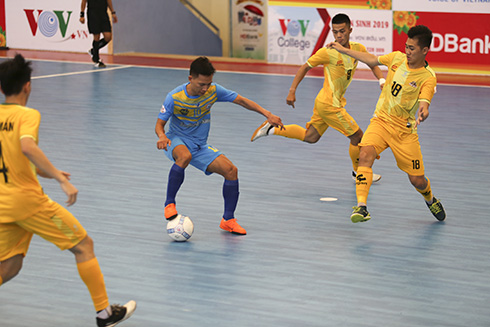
(98, 22)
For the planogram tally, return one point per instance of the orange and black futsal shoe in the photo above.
(232, 226)
(170, 211)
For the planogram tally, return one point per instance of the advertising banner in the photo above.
(249, 29)
(296, 33)
(454, 49)
(47, 25)
(3, 37)
(358, 4)
(462, 6)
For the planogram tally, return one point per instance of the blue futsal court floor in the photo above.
(303, 263)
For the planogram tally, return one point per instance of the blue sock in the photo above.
(230, 194)
(175, 180)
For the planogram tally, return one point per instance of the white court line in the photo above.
(220, 71)
(82, 72)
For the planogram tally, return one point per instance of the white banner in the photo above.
(294, 31)
(249, 28)
(461, 6)
(47, 25)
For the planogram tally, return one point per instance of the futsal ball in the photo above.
(180, 228)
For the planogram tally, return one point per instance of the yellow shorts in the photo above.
(405, 146)
(53, 223)
(327, 116)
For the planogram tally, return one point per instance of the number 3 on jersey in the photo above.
(3, 169)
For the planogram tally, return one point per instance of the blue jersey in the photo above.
(190, 116)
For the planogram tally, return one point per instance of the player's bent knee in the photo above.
(183, 159)
(230, 172)
(11, 267)
(312, 137)
(182, 156)
(355, 138)
(85, 247)
(367, 155)
(419, 182)
(183, 162)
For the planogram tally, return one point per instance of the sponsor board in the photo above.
(47, 25)
(454, 48)
(297, 33)
(249, 29)
(461, 6)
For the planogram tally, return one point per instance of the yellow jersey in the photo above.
(338, 70)
(404, 88)
(21, 195)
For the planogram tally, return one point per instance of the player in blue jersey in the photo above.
(188, 108)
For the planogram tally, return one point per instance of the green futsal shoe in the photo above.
(437, 209)
(360, 214)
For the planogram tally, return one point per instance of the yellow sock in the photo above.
(292, 131)
(364, 180)
(354, 156)
(92, 277)
(426, 192)
(1, 280)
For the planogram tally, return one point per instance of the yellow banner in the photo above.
(360, 4)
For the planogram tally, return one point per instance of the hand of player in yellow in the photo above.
(71, 191)
(291, 99)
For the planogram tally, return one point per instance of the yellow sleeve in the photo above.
(427, 90)
(29, 125)
(362, 48)
(388, 58)
(321, 57)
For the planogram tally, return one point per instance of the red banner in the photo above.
(454, 49)
(3, 39)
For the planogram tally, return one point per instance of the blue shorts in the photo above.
(202, 155)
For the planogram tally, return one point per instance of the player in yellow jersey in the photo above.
(329, 109)
(24, 208)
(410, 86)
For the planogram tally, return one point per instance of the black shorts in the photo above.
(98, 22)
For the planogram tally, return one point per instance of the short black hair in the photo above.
(14, 74)
(422, 34)
(340, 19)
(201, 66)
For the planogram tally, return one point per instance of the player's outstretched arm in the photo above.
(300, 74)
(47, 169)
(379, 75)
(423, 112)
(253, 106)
(367, 58)
(163, 141)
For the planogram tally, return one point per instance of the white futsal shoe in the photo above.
(119, 314)
(263, 130)
(376, 177)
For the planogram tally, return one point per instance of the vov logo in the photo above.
(48, 22)
(294, 27)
